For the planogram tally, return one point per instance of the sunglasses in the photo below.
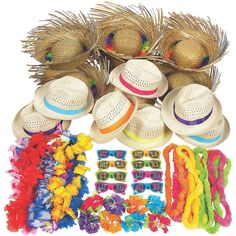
(106, 164)
(139, 164)
(141, 187)
(119, 154)
(137, 154)
(118, 176)
(102, 187)
(140, 175)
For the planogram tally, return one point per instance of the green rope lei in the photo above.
(216, 227)
(206, 213)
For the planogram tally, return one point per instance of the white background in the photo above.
(19, 17)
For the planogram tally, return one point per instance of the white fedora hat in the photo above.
(28, 122)
(112, 113)
(191, 110)
(146, 130)
(139, 77)
(216, 135)
(66, 98)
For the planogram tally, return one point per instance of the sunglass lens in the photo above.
(103, 164)
(103, 153)
(139, 188)
(138, 154)
(138, 175)
(153, 154)
(138, 164)
(156, 175)
(103, 176)
(156, 187)
(120, 164)
(155, 164)
(119, 188)
(120, 154)
(119, 176)
(101, 187)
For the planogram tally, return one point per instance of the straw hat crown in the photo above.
(110, 108)
(147, 123)
(192, 103)
(69, 93)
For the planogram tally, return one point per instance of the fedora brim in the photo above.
(43, 110)
(209, 145)
(124, 139)
(18, 129)
(177, 127)
(99, 137)
(114, 79)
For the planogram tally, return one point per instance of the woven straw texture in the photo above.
(128, 23)
(208, 37)
(64, 30)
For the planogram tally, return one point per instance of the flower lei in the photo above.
(115, 213)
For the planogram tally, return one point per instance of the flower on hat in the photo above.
(133, 222)
(136, 203)
(110, 222)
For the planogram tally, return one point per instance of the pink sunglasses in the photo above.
(102, 187)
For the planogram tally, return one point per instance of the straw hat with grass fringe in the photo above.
(93, 73)
(127, 32)
(64, 41)
(176, 78)
(191, 43)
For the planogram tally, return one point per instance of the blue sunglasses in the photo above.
(141, 187)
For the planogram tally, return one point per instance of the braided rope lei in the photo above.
(192, 206)
(206, 214)
(175, 209)
(219, 168)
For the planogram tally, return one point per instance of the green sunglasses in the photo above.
(118, 175)
(139, 164)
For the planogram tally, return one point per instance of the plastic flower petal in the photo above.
(133, 222)
(110, 222)
(89, 223)
(155, 205)
(136, 203)
(114, 204)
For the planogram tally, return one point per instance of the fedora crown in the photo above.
(110, 108)
(194, 102)
(68, 93)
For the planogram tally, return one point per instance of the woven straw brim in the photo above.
(211, 37)
(99, 137)
(177, 127)
(124, 139)
(18, 129)
(114, 79)
(42, 109)
(209, 145)
(65, 25)
(111, 17)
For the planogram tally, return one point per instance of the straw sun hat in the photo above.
(127, 32)
(191, 43)
(191, 110)
(139, 77)
(64, 42)
(217, 134)
(66, 98)
(112, 113)
(28, 122)
(146, 130)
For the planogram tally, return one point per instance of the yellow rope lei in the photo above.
(63, 193)
(190, 215)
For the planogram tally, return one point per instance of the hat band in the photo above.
(48, 132)
(135, 90)
(138, 139)
(120, 122)
(193, 122)
(61, 111)
(205, 140)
